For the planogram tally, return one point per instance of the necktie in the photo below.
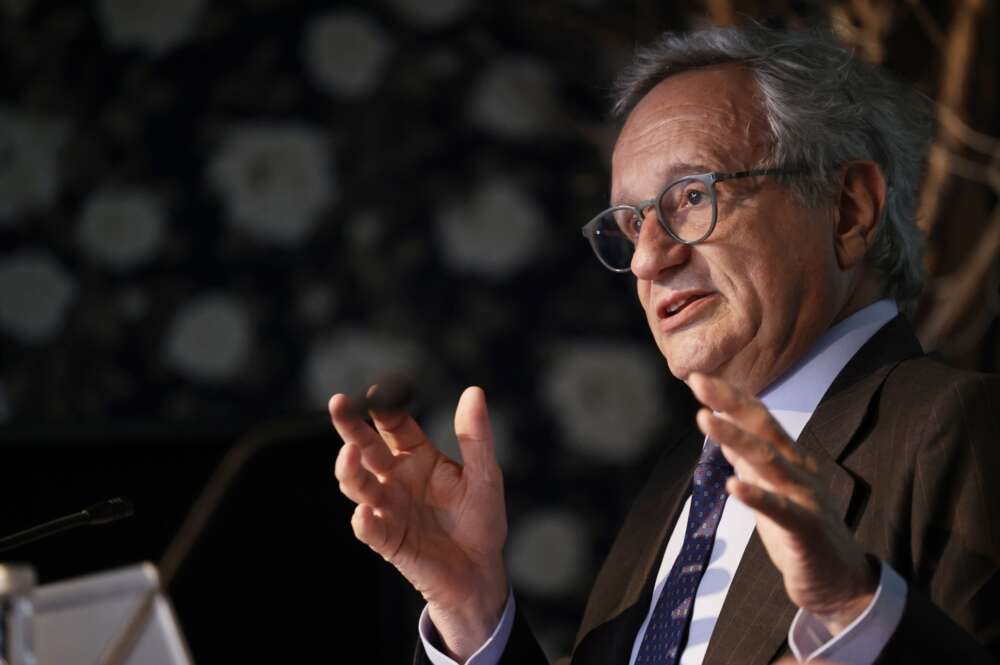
(667, 631)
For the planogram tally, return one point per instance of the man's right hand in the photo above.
(440, 523)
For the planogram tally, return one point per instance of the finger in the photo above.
(779, 508)
(747, 411)
(398, 429)
(353, 430)
(371, 529)
(475, 436)
(751, 452)
(356, 482)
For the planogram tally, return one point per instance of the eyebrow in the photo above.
(672, 173)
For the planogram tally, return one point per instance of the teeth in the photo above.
(676, 306)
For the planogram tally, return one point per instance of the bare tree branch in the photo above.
(985, 174)
(927, 22)
(863, 23)
(963, 289)
(721, 12)
(954, 80)
(978, 141)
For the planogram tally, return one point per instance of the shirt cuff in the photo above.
(863, 640)
(488, 654)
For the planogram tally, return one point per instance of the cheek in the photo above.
(743, 278)
(766, 293)
(642, 288)
(760, 286)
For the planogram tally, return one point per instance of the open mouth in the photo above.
(677, 307)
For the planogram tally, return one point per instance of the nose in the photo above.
(655, 250)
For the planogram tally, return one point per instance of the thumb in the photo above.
(475, 436)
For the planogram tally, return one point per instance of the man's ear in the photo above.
(862, 200)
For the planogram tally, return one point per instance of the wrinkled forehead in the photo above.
(710, 117)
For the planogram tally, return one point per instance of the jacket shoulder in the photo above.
(929, 381)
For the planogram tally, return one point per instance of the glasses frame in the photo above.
(590, 230)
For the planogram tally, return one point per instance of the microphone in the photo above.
(103, 512)
(392, 393)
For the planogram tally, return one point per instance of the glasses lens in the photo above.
(688, 208)
(614, 237)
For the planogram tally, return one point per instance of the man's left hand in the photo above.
(825, 570)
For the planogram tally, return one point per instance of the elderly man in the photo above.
(835, 499)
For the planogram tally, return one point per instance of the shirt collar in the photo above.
(793, 397)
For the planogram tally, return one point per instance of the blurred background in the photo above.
(213, 215)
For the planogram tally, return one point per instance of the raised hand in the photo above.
(825, 570)
(440, 523)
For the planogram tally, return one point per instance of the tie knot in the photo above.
(711, 455)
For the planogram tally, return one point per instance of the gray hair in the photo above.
(824, 107)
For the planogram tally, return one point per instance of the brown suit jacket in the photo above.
(911, 449)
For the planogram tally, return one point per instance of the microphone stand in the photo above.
(245, 448)
(392, 393)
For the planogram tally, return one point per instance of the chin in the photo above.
(682, 362)
(694, 351)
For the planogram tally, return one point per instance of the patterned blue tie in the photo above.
(667, 632)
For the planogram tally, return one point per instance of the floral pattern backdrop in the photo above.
(226, 211)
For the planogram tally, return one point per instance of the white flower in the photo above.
(547, 553)
(350, 360)
(210, 338)
(345, 53)
(121, 229)
(274, 181)
(153, 25)
(35, 292)
(606, 397)
(493, 232)
(430, 13)
(514, 99)
(29, 163)
(315, 303)
(440, 429)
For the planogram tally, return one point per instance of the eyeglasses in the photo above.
(687, 210)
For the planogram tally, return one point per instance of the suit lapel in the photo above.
(841, 412)
(624, 587)
(755, 617)
(753, 625)
(845, 404)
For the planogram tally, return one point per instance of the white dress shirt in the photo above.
(792, 399)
